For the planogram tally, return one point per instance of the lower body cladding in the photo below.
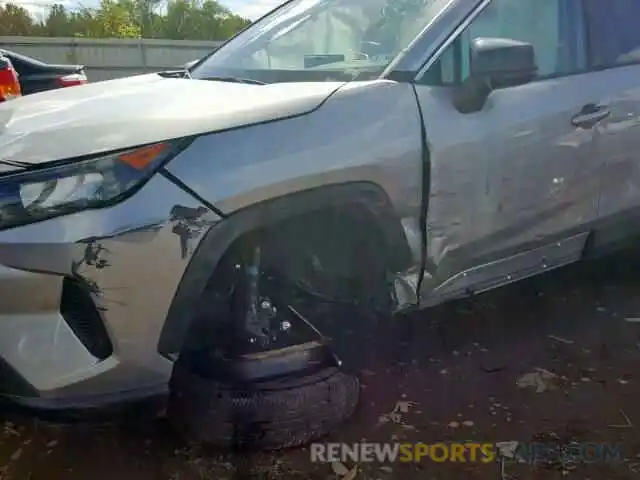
(83, 298)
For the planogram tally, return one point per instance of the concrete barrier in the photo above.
(107, 58)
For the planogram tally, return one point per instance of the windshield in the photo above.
(322, 40)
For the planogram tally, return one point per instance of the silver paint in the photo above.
(518, 172)
(134, 291)
(509, 269)
(122, 113)
(366, 131)
(515, 189)
(617, 139)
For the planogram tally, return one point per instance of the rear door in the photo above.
(514, 186)
(614, 58)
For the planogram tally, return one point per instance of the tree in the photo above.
(175, 19)
(178, 20)
(58, 23)
(16, 20)
(113, 19)
(145, 10)
(215, 22)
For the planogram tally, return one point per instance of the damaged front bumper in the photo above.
(84, 297)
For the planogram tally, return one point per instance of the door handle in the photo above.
(590, 115)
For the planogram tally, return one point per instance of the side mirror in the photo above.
(494, 63)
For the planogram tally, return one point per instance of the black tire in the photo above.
(270, 415)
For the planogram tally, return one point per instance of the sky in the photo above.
(250, 9)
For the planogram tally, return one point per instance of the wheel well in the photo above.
(335, 255)
(353, 232)
(340, 238)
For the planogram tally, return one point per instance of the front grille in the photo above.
(80, 313)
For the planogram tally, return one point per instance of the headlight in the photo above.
(35, 195)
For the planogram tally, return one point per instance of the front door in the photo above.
(513, 186)
(615, 60)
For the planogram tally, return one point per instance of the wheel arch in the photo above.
(369, 198)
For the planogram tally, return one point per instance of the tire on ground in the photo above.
(338, 254)
(270, 415)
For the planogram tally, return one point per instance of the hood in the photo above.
(109, 115)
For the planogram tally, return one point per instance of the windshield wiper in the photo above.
(184, 73)
(12, 163)
(230, 79)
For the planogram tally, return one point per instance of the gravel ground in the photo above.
(455, 372)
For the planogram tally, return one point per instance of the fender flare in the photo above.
(371, 198)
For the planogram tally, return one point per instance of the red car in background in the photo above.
(36, 76)
(9, 83)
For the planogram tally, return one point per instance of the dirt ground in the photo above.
(456, 372)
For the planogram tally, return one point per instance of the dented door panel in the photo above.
(618, 143)
(511, 178)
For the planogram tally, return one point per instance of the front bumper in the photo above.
(83, 298)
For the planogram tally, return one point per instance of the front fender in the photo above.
(364, 132)
(368, 197)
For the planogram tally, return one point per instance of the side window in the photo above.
(614, 34)
(554, 27)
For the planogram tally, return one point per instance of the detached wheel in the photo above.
(256, 371)
(270, 415)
